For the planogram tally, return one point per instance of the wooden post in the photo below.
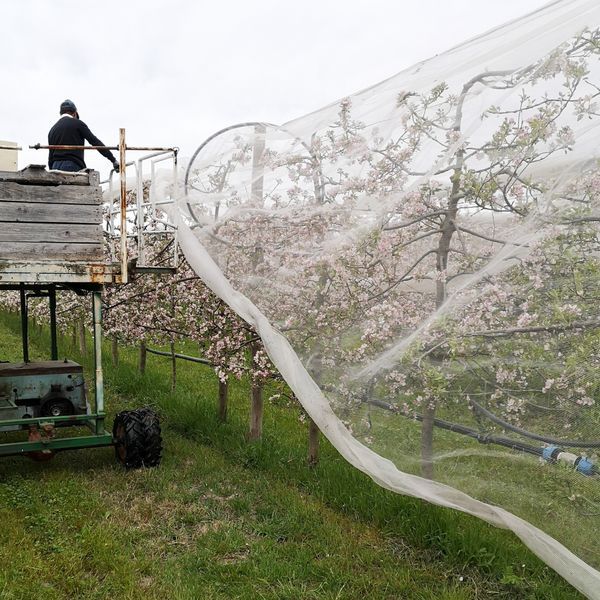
(223, 393)
(142, 357)
(82, 340)
(256, 412)
(114, 348)
(313, 443)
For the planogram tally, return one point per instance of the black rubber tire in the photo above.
(57, 407)
(138, 440)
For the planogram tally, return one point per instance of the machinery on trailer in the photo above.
(56, 235)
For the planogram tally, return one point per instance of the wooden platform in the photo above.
(51, 228)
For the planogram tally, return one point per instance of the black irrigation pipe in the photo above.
(528, 434)
(482, 438)
(202, 361)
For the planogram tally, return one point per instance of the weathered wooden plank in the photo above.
(60, 270)
(38, 212)
(87, 276)
(38, 174)
(50, 232)
(14, 255)
(11, 191)
(55, 266)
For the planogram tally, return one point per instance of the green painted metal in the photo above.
(70, 443)
(74, 419)
(24, 323)
(53, 336)
(26, 387)
(99, 379)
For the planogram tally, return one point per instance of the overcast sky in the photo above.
(174, 72)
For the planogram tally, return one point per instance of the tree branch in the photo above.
(436, 213)
(534, 329)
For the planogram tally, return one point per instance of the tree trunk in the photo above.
(443, 251)
(143, 355)
(74, 335)
(82, 340)
(313, 443)
(114, 350)
(223, 392)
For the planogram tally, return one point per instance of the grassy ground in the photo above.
(553, 497)
(222, 518)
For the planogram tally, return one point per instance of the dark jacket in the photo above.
(69, 131)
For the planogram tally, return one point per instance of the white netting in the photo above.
(422, 262)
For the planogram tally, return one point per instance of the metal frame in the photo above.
(141, 265)
(172, 152)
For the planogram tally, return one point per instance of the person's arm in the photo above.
(94, 141)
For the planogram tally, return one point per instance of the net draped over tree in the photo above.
(422, 263)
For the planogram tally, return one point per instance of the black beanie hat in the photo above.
(68, 106)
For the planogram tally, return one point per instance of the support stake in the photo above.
(256, 412)
(313, 443)
(142, 357)
(223, 393)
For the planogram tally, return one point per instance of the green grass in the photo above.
(553, 497)
(223, 518)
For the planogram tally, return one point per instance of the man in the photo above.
(69, 130)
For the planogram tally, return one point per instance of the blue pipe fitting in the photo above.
(585, 466)
(550, 453)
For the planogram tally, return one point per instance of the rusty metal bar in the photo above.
(122, 160)
(71, 147)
